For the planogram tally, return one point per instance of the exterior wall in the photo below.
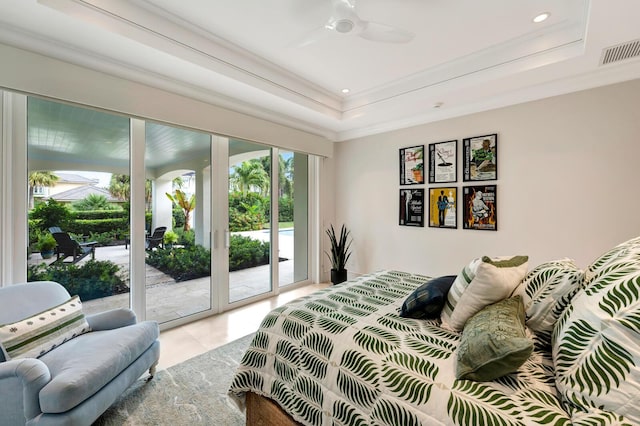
(568, 167)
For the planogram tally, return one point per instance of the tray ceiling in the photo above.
(273, 58)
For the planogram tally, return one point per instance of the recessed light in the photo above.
(345, 91)
(541, 17)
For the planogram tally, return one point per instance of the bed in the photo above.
(345, 356)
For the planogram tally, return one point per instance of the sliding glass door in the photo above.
(78, 202)
(293, 217)
(250, 238)
(177, 222)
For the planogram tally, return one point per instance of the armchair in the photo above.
(74, 383)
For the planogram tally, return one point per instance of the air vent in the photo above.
(628, 50)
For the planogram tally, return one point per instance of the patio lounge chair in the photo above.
(156, 239)
(68, 247)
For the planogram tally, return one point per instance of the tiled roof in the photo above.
(73, 178)
(81, 192)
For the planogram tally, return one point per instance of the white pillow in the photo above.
(492, 279)
(35, 336)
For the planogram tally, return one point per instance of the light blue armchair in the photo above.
(77, 381)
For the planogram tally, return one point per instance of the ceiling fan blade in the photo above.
(313, 36)
(384, 33)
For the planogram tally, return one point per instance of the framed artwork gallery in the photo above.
(477, 201)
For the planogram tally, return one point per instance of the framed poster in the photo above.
(412, 165)
(442, 207)
(443, 162)
(480, 207)
(411, 207)
(480, 156)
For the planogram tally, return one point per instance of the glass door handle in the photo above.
(227, 238)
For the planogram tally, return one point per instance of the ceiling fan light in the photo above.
(344, 26)
(541, 17)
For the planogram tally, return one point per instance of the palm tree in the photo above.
(40, 179)
(93, 202)
(187, 205)
(286, 176)
(120, 187)
(250, 174)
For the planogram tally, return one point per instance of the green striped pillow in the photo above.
(35, 336)
(483, 282)
(460, 284)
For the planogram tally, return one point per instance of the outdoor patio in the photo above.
(167, 299)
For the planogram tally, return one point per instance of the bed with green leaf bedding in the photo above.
(345, 356)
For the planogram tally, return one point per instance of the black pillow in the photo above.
(428, 300)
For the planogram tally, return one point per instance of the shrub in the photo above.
(185, 238)
(102, 238)
(90, 280)
(246, 252)
(182, 264)
(285, 209)
(194, 261)
(51, 213)
(247, 212)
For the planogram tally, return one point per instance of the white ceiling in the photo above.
(466, 55)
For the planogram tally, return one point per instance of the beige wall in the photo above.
(568, 175)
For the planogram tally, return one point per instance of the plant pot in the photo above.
(46, 254)
(338, 276)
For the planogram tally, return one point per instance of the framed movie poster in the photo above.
(412, 165)
(480, 156)
(412, 207)
(480, 207)
(443, 162)
(442, 207)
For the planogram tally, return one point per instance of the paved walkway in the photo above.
(168, 299)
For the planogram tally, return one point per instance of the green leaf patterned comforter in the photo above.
(343, 356)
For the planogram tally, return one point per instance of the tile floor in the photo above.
(181, 343)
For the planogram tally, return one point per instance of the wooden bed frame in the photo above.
(262, 411)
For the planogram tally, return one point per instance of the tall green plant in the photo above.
(186, 204)
(340, 248)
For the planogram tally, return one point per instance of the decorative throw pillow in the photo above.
(494, 280)
(546, 291)
(427, 300)
(494, 342)
(596, 340)
(611, 257)
(34, 336)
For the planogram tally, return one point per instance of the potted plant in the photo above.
(46, 244)
(417, 172)
(340, 253)
(170, 238)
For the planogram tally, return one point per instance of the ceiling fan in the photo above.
(345, 20)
